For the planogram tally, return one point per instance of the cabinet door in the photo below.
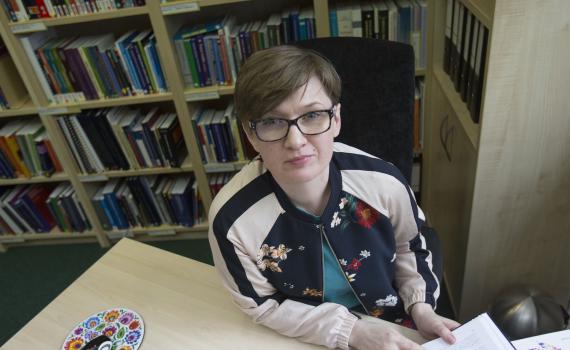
(451, 167)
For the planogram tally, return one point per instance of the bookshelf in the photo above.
(493, 189)
(165, 19)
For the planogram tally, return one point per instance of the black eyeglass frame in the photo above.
(290, 122)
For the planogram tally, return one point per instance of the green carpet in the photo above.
(31, 277)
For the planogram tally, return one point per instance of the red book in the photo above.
(53, 157)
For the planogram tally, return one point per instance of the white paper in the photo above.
(478, 334)
(551, 341)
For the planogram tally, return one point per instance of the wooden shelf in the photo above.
(53, 234)
(158, 231)
(207, 93)
(225, 167)
(459, 107)
(36, 179)
(35, 25)
(104, 176)
(111, 102)
(184, 6)
(27, 108)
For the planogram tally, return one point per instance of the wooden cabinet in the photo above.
(452, 164)
(498, 191)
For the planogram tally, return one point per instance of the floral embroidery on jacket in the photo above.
(350, 269)
(269, 257)
(390, 300)
(354, 210)
(312, 292)
(376, 312)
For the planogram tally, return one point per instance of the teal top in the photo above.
(335, 285)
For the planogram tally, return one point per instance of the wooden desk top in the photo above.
(181, 301)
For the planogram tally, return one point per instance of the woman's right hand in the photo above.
(373, 336)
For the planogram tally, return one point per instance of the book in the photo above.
(30, 43)
(480, 333)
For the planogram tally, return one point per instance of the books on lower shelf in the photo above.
(122, 138)
(220, 135)
(146, 201)
(72, 70)
(26, 151)
(481, 333)
(23, 10)
(211, 53)
(39, 208)
(395, 20)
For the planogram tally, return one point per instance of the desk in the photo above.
(181, 301)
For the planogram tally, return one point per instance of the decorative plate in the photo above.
(124, 327)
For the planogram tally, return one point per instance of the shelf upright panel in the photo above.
(23, 65)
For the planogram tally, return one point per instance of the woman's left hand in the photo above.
(431, 325)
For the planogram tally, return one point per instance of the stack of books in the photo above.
(95, 67)
(23, 10)
(395, 20)
(220, 136)
(211, 53)
(40, 207)
(25, 150)
(121, 138)
(147, 201)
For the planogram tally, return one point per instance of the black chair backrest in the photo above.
(377, 95)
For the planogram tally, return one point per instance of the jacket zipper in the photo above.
(322, 262)
(322, 228)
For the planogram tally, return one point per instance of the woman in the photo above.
(312, 230)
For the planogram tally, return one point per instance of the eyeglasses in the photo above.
(275, 129)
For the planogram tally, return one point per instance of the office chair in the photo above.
(377, 104)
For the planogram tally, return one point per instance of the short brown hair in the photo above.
(269, 76)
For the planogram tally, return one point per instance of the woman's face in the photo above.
(300, 158)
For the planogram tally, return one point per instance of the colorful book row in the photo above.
(220, 135)
(23, 10)
(395, 20)
(26, 151)
(211, 53)
(39, 208)
(147, 201)
(95, 67)
(123, 138)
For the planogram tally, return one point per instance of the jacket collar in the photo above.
(335, 181)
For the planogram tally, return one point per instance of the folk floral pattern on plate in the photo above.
(124, 327)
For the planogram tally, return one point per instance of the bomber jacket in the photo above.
(269, 252)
